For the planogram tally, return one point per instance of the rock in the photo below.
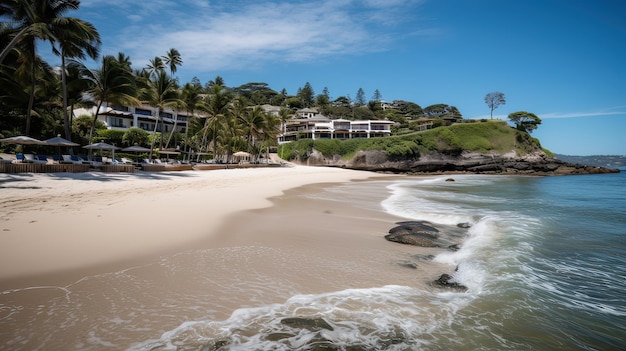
(450, 180)
(445, 281)
(279, 336)
(536, 162)
(454, 247)
(418, 226)
(312, 324)
(407, 264)
(464, 225)
(423, 239)
(424, 257)
(417, 233)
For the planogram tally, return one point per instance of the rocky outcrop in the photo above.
(446, 281)
(537, 163)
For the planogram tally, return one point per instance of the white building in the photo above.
(144, 117)
(310, 124)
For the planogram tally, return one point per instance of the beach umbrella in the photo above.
(103, 146)
(136, 148)
(58, 141)
(22, 139)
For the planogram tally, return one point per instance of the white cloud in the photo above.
(222, 35)
(608, 112)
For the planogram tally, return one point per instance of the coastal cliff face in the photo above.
(536, 163)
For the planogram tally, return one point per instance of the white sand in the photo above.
(56, 222)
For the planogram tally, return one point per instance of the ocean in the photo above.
(544, 263)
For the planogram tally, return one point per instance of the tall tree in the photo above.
(253, 123)
(306, 95)
(191, 96)
(216, 106)
(43, 20)
(493, 100)
(172, 59)
(377, 97)
(154, 66)
(160, 92)
(360, 97)
(111, 82)
(76, 39)
(284, 115)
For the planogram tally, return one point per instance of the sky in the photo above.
(563, 60)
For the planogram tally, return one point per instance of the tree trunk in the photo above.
(66, 117)
(169, 138)
(93, 124)
(31, 99)
(158, 113)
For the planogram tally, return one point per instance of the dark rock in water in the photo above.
(414, 233)
(464, 225)
(454, 247)
(417, 226)
(279, 336)
(424, 257)
(215, 345)
(423, 239)
(407, 264)
(450, 180)
(312, 324)
(444, 281)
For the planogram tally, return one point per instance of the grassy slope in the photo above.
(495, 137)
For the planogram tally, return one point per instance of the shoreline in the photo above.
(73, 224)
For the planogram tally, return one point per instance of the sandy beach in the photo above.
(117, 259)
(62, 222)
(110, 261)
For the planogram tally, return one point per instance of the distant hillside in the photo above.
(610, 161)
(490, 147)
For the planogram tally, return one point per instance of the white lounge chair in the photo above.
(30, 158)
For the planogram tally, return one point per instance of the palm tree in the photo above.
(154, 65)
(172, 59)
(253, 123)
(112, 82)
(43, 20)
(160, 92)
(216, 106)
(75, 38)
(217, 81)
(191, 97)
(271, 128)
(284, 115)
(124, 60)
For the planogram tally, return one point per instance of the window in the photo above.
(143, 112)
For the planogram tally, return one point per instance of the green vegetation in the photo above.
(484, 137)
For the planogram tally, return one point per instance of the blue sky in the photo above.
(564, 60)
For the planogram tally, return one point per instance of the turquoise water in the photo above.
(544, 263)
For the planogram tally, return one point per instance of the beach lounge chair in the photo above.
(42, 158)
(30, 158)
(77, 160)
(66, 159)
